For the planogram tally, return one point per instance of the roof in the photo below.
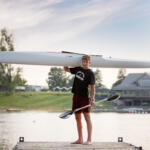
(130, 82)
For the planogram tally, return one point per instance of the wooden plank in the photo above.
(68, 146)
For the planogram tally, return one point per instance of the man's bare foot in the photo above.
(78, 142)
(87, 143)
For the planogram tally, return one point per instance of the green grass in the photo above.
(39, 100)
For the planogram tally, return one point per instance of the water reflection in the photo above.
(45, 126)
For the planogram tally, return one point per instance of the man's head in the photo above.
(86, 60)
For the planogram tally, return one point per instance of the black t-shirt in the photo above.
(83, 78)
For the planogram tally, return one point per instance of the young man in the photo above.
(84, 77)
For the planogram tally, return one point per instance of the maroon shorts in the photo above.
(79, 101)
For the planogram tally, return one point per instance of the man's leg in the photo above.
(89, 127)
(79, 128)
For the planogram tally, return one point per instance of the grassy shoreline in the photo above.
(38, 101)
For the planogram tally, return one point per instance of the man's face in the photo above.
(85, 63)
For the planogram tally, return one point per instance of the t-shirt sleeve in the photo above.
(74, 70)
(92, 78)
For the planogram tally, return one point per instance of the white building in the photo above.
(135, 90)
(20, 88)
(34, 88)
(62, 88)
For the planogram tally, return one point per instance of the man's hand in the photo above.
(92, 101)
(67, 69)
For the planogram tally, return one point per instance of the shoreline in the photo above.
(10, 110)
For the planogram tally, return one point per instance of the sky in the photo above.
(116, 28)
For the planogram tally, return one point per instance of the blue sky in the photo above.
(117, 28)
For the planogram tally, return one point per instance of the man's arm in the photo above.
(67, 69)
(92, 96)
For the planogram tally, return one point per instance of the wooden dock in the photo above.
(68, 146)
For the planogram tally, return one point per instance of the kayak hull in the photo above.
(67, 59)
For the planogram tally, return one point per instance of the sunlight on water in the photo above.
(45, 126)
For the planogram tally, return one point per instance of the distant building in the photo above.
(135, 90)
(44, 88)
(102, 93)
(103, 90)
(62, 88)
(20, 88)
(34, 88)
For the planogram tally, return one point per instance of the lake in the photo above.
(47, 126)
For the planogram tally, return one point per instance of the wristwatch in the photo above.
(92, 99)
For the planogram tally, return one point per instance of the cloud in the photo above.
(82, 18)
(37, 21)
(24, 13)
(40, 22)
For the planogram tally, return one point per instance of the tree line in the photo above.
(58, 77)
(10, 77)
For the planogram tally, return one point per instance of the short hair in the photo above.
(86, 57)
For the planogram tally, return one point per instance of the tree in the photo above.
(98, 79)
(6, 41)
(18, 80)
(56, 77)
(70, 80)
(121, 76)
(9, 79)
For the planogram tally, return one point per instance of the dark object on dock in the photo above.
(139, 148)
(21, 139)
(68, 146)
(120, 139)
(13, 110)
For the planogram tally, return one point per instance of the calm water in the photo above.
(45, 126)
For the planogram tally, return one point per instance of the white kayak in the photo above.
(67, 59)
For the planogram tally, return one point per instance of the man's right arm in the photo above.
(67, 69)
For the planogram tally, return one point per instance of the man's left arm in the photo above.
(92, 95)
